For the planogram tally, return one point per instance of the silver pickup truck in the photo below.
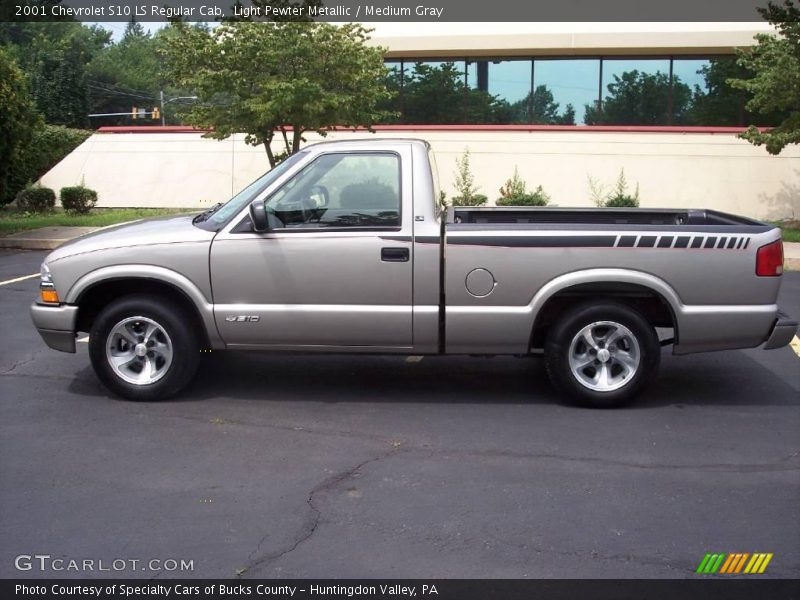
(344, 247)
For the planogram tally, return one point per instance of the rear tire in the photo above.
(602, 355)
(143, 348)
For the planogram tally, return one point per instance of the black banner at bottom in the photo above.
(401, 589)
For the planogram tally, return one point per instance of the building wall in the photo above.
(542, 39)
(673, 169)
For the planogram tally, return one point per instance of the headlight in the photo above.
(44, 273)
(46, 287)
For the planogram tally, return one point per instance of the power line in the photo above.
(119, 92)
(122, 88)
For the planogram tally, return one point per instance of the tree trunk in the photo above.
(297, 134)
(268, 148)
(286, 142)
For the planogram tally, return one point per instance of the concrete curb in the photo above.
(44, 238)
(27, 244)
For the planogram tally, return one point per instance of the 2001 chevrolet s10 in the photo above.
(344, 248)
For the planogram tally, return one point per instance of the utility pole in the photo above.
(163, 121)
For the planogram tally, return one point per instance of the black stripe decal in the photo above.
(577, 241)
(549, 241)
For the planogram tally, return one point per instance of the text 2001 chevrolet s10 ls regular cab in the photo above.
(344, 248)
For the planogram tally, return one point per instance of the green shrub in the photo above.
(623, 200)
(36, 199)
(50, 144)
(473, 200)
(515, 193)
(616, 198)
(513, 187)
(78, 199)
(538, 198)
(465, 184)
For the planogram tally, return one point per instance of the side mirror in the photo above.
(258, 215)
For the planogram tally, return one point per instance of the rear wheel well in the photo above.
(651, 304)
(98, 296)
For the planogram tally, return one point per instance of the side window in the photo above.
(340, 190)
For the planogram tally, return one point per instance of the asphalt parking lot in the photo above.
(295, 466)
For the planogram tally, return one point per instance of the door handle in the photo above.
(395, 254)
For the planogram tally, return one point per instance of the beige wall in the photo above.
(563, 39)
(672, 169)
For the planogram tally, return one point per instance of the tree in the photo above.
(58, 83)
(775, 86)
(54, 57)
(438, 94)
(125, 74)
(18, 121)
(637, 98)
(287, 78)
(541, 108)
(719, 103)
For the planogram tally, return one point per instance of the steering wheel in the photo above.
(320, 190)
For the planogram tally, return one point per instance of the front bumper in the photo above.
(783, 331)
(56, 325)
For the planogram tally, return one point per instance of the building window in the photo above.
(571, 91)
(564, 89)
(510, 82)
(433, 92)
(634, 92)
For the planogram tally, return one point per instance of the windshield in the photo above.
(248, 194)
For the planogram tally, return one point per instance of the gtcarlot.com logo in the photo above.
(46, 562)
(734, 563)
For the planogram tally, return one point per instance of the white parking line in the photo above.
(795, 344)
(84, 340)
(23, 278)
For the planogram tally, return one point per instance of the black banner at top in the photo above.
(384, 10)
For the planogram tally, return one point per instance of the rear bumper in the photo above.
(783, 331)
(56, 325)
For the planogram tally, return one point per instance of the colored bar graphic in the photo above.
(717, 563)
(703, 563)
(754, 562)
(764, 564)
(727, 565)
(741, 562)
(734, 563)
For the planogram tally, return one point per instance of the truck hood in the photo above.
(147, 232)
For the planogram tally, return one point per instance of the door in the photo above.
(330, 272)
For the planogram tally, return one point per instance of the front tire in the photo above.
(602, 355)
(143, 348)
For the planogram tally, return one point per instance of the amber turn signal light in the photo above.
(50, 296)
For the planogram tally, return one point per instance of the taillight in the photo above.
(769, 260)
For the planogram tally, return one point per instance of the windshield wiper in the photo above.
(203, 216)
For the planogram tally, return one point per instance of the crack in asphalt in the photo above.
(313, 520)
(21, 362)
(776, 465)
(773, 466)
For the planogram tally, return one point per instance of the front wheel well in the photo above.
(653, 306)
(98, 296)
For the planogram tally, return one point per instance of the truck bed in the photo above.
(600, 216)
